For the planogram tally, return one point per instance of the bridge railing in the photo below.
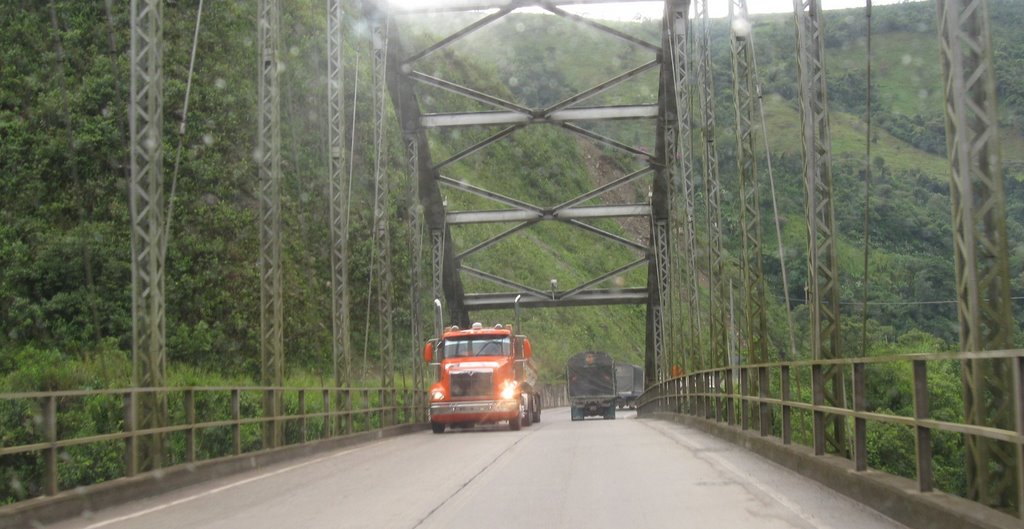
(727, 395)
(59, 440)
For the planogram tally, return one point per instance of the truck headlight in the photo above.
(437, 395)
(508, 391)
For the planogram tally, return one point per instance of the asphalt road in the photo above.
(595, 474)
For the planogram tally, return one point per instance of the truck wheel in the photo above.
(437, 427)
(513, 424)
(527, 414)
(609, 413)
(536, 409)
(575, 414)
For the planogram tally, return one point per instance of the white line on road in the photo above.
(216, 490)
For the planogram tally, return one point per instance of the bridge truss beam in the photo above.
(680, 149)
(338, 191)
(756, 328)
(717, 286)
(823, 266)
(269, 154)
(146, 202)
(980, 248)
(403, 77)
(380, 23)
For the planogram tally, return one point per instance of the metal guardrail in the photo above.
(193, 414)
(712, 395)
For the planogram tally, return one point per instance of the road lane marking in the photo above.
(218, 489)
(462, 487)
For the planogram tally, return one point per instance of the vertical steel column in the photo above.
(415, 211)
(146, 201)
(381, 204)
(980, 245)
(269, 155)
(338, 181)
(437, 266)
(659, 233)
(716, 285)
(750, 209)
(677, 17)
(659, 277)
(823, 267)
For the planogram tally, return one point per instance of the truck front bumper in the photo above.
(474, 411)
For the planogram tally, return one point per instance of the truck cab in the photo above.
(483, 375)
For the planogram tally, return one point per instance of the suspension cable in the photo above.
(867, 191)
(181, 129)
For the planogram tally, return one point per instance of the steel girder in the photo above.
(146, 201)
(680, 149)
(415, 219)
(269, 155)
(980, 247)
(402, 77)
(823, 267)
(484, 5)
(592, 297)
(717, 286)
(379, 34)
(756, 328)
(471, 119)
(446, 284)
(339, 191)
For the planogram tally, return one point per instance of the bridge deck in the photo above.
(595, 474)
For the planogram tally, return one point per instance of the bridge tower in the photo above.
(980, 247)
(269, 159)
(756, 329)
(146, 202)
(823, 266)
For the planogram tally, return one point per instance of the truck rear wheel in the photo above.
(609, 413)
(536, 409)
(526, 413)
(513, 424)
(437, 427)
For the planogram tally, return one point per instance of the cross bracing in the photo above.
(494, 120)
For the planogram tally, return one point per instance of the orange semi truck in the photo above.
(483, 375)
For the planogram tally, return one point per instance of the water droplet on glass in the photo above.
(220, 83)
(741, 27)
(208, 139)
(906, 59)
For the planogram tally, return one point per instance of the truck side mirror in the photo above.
(428, 352)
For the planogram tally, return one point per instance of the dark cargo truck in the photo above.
(591, 381)
(629, 384)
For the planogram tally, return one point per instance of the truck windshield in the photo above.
(477, 346)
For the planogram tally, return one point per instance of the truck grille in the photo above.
(472, 384)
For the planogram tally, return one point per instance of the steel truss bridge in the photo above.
(682, 163)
